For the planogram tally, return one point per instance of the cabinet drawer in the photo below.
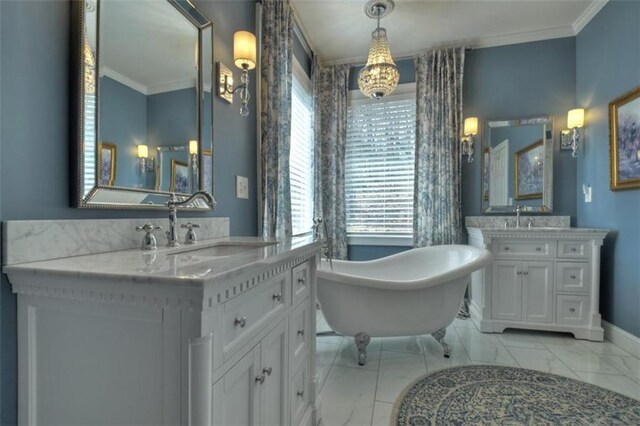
(300, 282)
(572, 277)
(571, 310)
(245, 315)
(299, 393)
(574, 249)
(509, 249)
(299, 333)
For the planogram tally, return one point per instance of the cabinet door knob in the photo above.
(572, 309)
(573, 277)
(260, 379)
(300, 394)
(267, 371)
(300, 332)
(573, 249)
(277, 296)
(538, 249)
(241, 321)
(506, 248)
(302, 280)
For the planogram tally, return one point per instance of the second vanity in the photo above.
(217, 333)
(541, 278)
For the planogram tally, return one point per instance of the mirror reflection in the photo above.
(147, 101)
(517, 165)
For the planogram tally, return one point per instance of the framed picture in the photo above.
(528, 171)
(179, 177)
(207, 167)
(485, 174)
(107, 156)
(624, 144)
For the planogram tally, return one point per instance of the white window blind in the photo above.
(301, 154)
(89, 143)
(380, 157)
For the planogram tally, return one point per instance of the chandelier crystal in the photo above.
(380, 76)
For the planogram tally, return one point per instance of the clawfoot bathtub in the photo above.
(411, 293)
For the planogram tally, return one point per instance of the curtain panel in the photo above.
(276, 75)
(437, 217)
(330, 91)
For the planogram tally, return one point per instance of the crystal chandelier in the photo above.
(380, 76)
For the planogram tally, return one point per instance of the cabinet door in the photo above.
(274, 367)
(236, 396)
(506, 290)
(537, 284)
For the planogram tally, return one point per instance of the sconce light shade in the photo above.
(193, 147)
(470, 126)
(143, 151)
(575, 118)
(244, 50)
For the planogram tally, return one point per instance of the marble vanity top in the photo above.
(184, 265)
(541, 229)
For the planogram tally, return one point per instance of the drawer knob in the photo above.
(277, 296)
(573, 249)
(300, 394)
(506, 248)
(241, 321)
(302, 280)
(260, 379)
(538, 249)
(300, 332)
(573, 277)
(267, 371)
(572, 309)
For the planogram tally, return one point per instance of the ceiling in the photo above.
(339, 31)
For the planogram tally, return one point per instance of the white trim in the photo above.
(586, 16)
(171, 87)
(301, 31)
(624, 339)
(402, 91)
(122, 79)
(380, 240)
(301, 75)
(258, 101)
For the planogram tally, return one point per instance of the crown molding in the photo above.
(122, 79)
(170, 87)
(586, 16)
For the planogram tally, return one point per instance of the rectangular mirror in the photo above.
(517, 165)
(143, 102)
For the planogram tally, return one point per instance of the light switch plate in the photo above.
(242, 187)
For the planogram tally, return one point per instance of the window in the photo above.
(301, 154)
(380, 157)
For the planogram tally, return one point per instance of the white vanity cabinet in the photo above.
(540, 279)
(177, 340)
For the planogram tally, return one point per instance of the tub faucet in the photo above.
(173, 204)
(518, 210)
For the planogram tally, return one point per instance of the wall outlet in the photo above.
(242, 187)
(586, 190)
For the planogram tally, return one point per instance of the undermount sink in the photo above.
(226, 249)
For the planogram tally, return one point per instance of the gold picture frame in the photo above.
(624, 141)
(106, 161)
(529, 162)
(179, 177)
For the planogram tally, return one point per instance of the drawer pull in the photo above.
(267, 371)
(241, 321)
(300, 394)
(260, 379)
(519, 272)
(538, 249)
(300, 332)
(277, 296)
(573, 249)
(506, 248)
(302, 280)
(573, 277)
(572, 309)
(526, 272)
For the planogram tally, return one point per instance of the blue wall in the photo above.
(362, 252)
(519, 81)
(608, 65)
(35, 137)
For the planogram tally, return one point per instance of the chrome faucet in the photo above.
(173, 204)
(518, 210)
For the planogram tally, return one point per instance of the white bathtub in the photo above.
(415, 292)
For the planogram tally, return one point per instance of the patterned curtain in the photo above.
(275, 72)
(330, 90)
(437, 204)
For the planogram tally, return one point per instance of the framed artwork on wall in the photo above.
(179, 177)
(528, 171)
(624, 141)
(107, 157)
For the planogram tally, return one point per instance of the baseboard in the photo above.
(624, 339)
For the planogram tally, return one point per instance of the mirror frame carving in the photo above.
(546, 205)
(78, 199)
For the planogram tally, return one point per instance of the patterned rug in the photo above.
(484, 394)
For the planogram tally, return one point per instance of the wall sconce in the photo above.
(468, 136)
(144, 162)
(575, 120)
(244, 56)
(193, 153)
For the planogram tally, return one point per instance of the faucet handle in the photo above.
(190, 225)
(190, 238)
(149, 240)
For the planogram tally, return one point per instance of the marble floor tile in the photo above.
(348, 354)
(397, 370)
(434, 355)
(411, 344)
(348, 396)
(581, 359)
(468, 323)
(484, 348)
(325, 356)
(520, 339)
(616, 383)
(541, 360)
(381, 414)
(627, 365)
(604, 348)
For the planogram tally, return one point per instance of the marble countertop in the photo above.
(540, 230)
(184, 265)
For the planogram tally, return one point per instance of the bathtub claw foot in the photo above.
(439, 336)
(362, 340)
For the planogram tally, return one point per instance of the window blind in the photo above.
(379, 166)
(89, 143)
(301, 153)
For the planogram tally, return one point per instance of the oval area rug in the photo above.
(486, 394)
